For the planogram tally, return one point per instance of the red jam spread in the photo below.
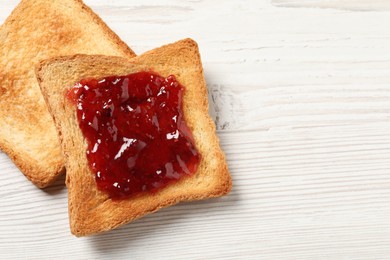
(137, 138)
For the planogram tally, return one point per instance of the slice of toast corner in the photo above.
(92, 211)
(37, 30)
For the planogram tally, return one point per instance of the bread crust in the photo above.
(92, 211)
(36, 30)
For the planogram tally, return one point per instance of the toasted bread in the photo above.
(92, 211)
(37, 30)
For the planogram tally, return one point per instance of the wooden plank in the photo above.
(355, 5)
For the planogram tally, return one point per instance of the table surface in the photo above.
(300, 93)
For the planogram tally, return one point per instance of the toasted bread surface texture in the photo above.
(92, 211)
(37, 30)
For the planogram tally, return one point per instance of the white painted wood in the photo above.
(301, 97)
(355, 5)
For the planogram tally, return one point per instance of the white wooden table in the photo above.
(300, 92)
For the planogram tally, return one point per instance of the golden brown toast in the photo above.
(37, 30)
(92, 211)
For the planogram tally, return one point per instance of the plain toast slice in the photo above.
(92, 211)
(37, 30)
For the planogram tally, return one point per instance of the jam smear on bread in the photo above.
(138, 140)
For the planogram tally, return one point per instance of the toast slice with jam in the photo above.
(95, 207)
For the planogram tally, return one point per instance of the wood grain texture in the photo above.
(301, 98)
(354, 5)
